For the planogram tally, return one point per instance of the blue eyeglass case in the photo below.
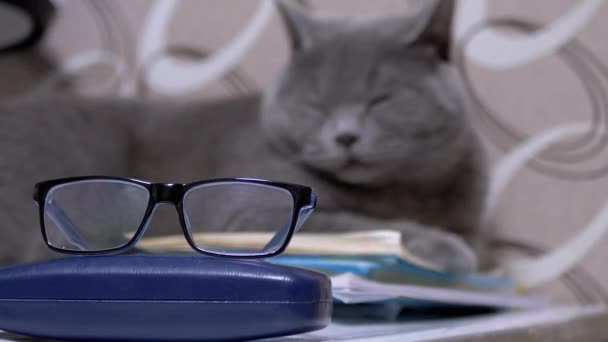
(143, 297)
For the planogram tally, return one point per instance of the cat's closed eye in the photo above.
(379, 99)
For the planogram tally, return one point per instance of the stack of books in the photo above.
(373, 275)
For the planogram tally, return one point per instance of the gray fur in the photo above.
(367, 112)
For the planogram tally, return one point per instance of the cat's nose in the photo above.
(346, 139)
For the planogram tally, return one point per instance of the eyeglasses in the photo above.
(102, 215)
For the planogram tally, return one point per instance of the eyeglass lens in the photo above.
(94, 215)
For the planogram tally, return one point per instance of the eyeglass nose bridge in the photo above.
(166, 193)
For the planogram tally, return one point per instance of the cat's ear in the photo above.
(302, 27)
(435, 25)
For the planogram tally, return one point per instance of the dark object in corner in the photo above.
(38, 14)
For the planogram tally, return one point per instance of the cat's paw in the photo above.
(445, 250)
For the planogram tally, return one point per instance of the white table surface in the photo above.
(563, 323)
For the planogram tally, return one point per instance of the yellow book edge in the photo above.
(359, 243)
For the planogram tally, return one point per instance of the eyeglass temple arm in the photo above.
(305, 212)
(63, 222)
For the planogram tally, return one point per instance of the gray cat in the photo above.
(368, 112)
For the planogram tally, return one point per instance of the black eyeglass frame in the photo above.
(304, 202)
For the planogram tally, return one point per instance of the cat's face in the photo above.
(361, 105)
